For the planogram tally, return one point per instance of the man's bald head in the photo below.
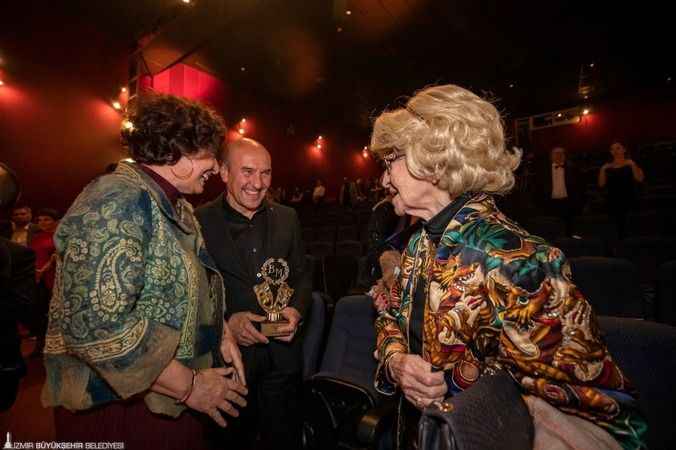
(247, 171)
(235, 149)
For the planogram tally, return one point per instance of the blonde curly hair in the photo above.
(451, 136)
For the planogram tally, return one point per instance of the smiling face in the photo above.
(248, 174)
(47, 224)
(197, 169)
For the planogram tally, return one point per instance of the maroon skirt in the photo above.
(132, 424)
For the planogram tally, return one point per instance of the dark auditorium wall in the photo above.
(635, 120)
(59, 131)
(57, 127)
(296, 162)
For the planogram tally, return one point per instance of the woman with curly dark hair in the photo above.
(136, 344)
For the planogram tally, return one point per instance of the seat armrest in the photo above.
(376, 422)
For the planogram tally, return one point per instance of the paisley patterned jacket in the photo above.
(135, 288)
(498, 297)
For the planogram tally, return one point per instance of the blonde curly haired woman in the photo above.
(477, 293)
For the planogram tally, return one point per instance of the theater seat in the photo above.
(313, 334)
(348, 248)
(666, 293)
(648, 253)
(342, 408)
(574, 248)
(320, 248)
(611, 285)
(644, 351)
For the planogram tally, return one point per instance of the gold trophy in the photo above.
(273, 295)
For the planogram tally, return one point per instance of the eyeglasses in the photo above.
(391, 158)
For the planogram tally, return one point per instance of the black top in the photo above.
(435, 228)
(620, 184)
(248, 235)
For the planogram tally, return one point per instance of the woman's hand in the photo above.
(214, 392)
(414, 376)
(230, 352)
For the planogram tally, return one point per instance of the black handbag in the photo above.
(491, 414)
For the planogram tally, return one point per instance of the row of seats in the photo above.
(601, 226)
(333, 233)
(343, 410)
(614, 286)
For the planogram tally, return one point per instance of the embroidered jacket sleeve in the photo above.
(108, 317)
(390, 326)
(551, 343)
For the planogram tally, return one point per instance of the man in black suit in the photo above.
(242, 231)
(560, 188)
(17, 293)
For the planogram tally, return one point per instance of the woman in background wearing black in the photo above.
(620, 178)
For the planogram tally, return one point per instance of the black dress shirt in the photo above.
(248, 235)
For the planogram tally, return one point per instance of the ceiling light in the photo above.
(348, 12)
(320, 137)
(339, 29)
(585, 112)
(591, 65)
(241, 131)
(117, 105)
(187, 2)
(319, 145)
(123, 89)
(2, 83)
(243, 120)
(243, 69)
(559, 115)
(127, 124)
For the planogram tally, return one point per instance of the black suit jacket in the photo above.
(283, 240)
(574, 184)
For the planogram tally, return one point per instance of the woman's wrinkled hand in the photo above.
(414, 376)
(214, 392)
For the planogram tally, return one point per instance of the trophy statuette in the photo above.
(274, 294)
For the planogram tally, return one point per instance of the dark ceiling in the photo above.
(313, 54)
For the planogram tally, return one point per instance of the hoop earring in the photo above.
(184, 177)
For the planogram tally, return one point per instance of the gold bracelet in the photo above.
(192, 385)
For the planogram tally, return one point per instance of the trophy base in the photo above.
(272, 329)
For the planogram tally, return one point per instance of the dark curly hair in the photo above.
(160, 128)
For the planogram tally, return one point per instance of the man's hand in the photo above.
(243, 329)
(293, 316)
(231, 354)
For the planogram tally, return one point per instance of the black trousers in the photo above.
(563, 209)
(272, 418)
